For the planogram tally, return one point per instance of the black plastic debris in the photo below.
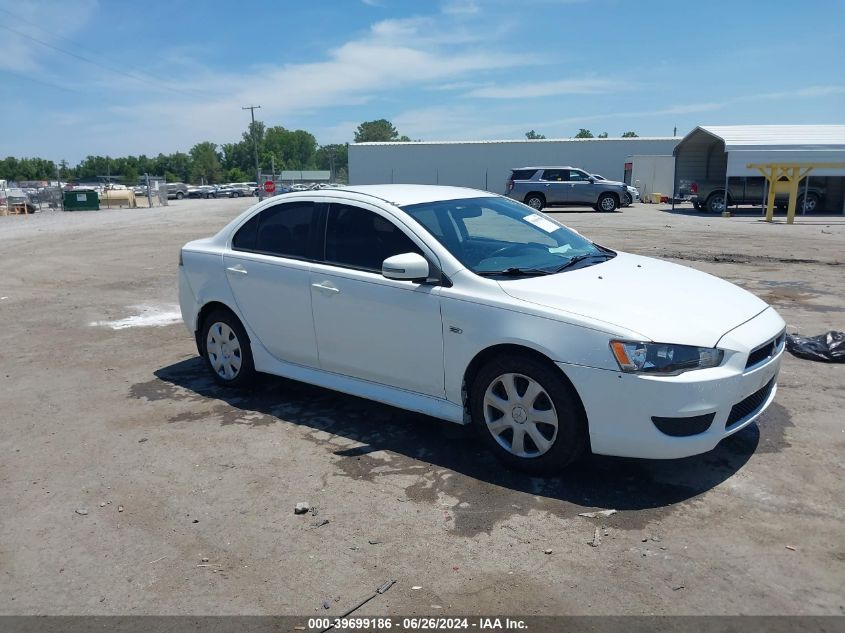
(825, 348)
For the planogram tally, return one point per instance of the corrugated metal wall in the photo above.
(487, 165)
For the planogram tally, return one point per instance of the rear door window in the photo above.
(555, 175)
(284, 230)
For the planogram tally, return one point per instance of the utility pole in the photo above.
(252, 109)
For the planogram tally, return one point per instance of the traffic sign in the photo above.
(269, 186)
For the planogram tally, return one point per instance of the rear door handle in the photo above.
(237, 268)
(326, 287)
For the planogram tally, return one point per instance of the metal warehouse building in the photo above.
(487, 164)
(721, 155)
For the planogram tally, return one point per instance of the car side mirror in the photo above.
(592, 180)
(408, 266)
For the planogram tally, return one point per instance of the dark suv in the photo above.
(540, 187)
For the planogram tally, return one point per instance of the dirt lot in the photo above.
(124, 468)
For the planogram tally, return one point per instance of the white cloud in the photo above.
(392, 56)
(586, 86)
(460, 7)
(41, 20)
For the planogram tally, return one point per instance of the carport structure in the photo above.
(734, 158)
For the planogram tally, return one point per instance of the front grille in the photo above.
(751, 404)
(766, 350)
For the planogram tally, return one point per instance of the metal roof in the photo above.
(632, 139)
(737, 137)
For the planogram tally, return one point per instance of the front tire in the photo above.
(226, 350)
(629, 200)
(235, 194)
(527, 415)
(179, 195)
(535, 201)
(811, 204)
(607, 202)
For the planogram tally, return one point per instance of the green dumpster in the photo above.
(82, 200)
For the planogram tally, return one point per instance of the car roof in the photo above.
(548, 167)
(402, 195)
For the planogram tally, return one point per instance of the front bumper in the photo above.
(620, 406)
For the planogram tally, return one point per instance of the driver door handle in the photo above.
(237, 268)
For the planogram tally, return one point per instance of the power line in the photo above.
(103, 66)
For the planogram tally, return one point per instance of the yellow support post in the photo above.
(770, 203)
(794, 174)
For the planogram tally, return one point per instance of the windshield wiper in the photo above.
(513, 272)
(581, 258)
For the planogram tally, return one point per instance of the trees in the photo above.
(379, 130)
(584, 133)
(533, 136)
(288, 149)
(205, 163)
(235, 161)
(602, 135)
(16, 169)
(629, 135)
(335, 158)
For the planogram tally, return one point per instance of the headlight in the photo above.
(663, 358)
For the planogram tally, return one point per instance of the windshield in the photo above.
(491, 235)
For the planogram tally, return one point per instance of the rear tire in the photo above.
(716, 202)
(235, 194)
(536, 201)
(179, 195)
(527, 414)
(226, 350)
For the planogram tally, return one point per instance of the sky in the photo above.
(115, 78)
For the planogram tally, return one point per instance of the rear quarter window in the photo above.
(523, 174)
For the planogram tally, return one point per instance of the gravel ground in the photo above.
(130, 484)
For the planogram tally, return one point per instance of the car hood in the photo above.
(612, 182)
(661, 301)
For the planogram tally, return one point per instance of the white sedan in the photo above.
(476, 309)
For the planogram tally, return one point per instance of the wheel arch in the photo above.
(487, 354)
(207, 309)
(720, 190)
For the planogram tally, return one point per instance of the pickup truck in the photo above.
(710, 196)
